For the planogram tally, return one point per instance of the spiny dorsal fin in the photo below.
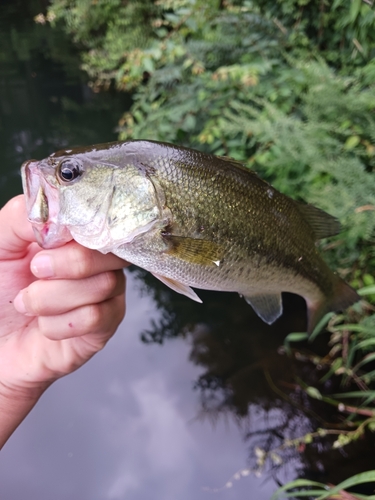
(194, 250)
(237, 164)
(268, 307)
(321, 223)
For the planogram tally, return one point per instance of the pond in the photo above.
(186, 398)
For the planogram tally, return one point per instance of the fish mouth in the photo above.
(42, 204)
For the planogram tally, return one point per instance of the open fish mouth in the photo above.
(36, 201)
(42, 206)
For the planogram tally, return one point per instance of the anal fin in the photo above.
(268, 307)
(178, 287)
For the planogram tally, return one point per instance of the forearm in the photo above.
(14, 407)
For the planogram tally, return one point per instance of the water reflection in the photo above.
(44, 103)
(247, 378)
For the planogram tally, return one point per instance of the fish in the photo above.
(194, 220)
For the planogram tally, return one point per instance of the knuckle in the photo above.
(32, 298)
(107, 283)
(121, 280)
(43, 325)
(120, 308)
(82, 261)
(119, 315)
(117, 311)
(14, 204)
(93, 318)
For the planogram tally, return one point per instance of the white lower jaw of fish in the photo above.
(41, 201)
(51, 235)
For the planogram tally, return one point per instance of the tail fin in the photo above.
(342, 297)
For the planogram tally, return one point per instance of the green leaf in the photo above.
(352, 142)
(148, 64)
(355, 7)
(365, 344)
(296, 337)
(313, 392)
(366, 359)
(319, 327)
(364, 477)
(298, 483)
(354, 394)
(367, 290)
(293, 337)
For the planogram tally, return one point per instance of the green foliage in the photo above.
(113, 36)
(351, 354)
(321, 151)
(342, 31)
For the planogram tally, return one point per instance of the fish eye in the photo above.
(69, 170)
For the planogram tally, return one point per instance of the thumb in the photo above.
(16, 231)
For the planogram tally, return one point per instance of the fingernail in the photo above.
(19, 304)
(41, 266)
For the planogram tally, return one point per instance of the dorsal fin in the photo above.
(321, 223)
(238, 164)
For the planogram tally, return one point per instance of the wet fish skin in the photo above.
(192, 219)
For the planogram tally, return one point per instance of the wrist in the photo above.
(10, 394)
(15, 404)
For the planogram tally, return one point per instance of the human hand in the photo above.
(58, 307)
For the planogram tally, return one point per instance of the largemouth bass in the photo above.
(191, 219)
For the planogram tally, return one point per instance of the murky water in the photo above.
(185, 395)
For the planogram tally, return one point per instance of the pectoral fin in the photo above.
(194, 250)
(268, 307)
(178, 287)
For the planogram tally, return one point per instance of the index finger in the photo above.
(73, 261)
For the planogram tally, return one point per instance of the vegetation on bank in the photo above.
(287, 87)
